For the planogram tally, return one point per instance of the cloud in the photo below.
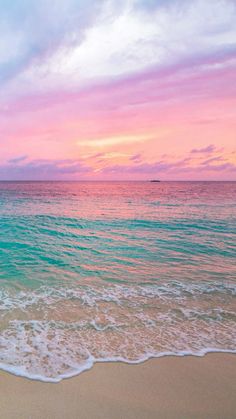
(71, 42)
(140, 169)
(112, 80)
(31, 30)
(225, 167)
(43, 169)
(19, 159)
(97, 155)
(168, 169)
(193, 78)
(212, 160)
(153, 5)
(136, 158)
(209, 149)
(111, 141)
(65, 169)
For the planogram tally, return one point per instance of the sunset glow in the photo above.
(118, 90)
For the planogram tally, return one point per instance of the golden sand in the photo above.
(164, 388)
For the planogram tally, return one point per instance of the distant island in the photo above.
(155, 180)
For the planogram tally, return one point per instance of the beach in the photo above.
(95, 277)
(164, 388)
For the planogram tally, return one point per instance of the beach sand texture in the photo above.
(165, 388)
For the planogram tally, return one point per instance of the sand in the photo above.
(165, 388)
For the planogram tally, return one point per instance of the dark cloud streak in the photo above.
(17, 169)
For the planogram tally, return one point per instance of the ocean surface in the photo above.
(106, 271)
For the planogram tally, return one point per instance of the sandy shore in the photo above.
(163, 388)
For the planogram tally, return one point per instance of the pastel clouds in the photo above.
(69, 43)
(110, 79)
(209, 149)
(18, 159)
(41, 169)
(166, 168)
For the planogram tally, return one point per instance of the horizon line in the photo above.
(116, 180)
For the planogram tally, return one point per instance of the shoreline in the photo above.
(168, 387)
(92, 362)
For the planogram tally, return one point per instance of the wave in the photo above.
(56, 332)
(20, 372)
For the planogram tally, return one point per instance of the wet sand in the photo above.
(165, 388)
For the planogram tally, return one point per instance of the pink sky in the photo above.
(144, 90)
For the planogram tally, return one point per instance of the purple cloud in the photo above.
(219, 167)
(136, 158)
(213, 159)
(42, 169)
(41, 36)
(144, 168)
(18, 159)
(209, 149)
(167, 168)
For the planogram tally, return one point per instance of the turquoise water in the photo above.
(99, 271)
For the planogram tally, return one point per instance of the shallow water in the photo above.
(99, 271)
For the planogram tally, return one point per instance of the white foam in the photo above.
(21, 372)
(90, 295)
(115, 323)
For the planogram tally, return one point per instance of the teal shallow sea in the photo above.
(99, 271)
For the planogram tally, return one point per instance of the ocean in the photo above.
(114, 271)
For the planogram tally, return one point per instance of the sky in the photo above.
(116, 90)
